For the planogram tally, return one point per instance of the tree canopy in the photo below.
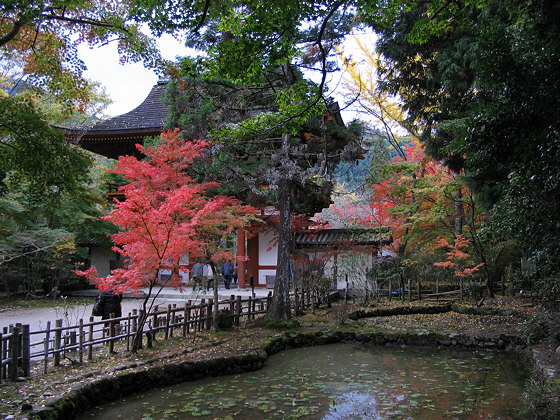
(480, 76)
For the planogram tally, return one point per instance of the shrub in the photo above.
(225, 319)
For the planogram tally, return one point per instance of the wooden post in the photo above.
(461, 288)
(409, 291)
(14, 353)
(57, 341)
(418, 287)
(155, 320)
(185, 319)
(189, 317)
(128, 329)
(209, 314)
(90, 346)
(137, 328)
(437, 290)
(201, 308)
(232, 304)
(112, 334)
(46, 347)
(238, 311)
(81, 334)
(167, 321)
(390, 289)
(25, 350)
(4, 354)
(249, 307)
(173, 320)
(268, 300)
(72, 339)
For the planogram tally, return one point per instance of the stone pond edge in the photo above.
(85, 396)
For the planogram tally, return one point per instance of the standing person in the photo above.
(197, 273)
(235, 273)
(108, 303)
(227, 272)
(209, 274)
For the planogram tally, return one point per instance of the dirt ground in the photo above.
(37, 389)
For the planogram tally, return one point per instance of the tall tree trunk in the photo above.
(280, 308)
(459, 212)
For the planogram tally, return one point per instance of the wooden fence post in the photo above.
(57, 341)
(81, 341)
(155, 320)
(4, 354)
(25, 350)
(112, 334)
(46, 347)
(167, 321)
(209, 313)
(173, 320)
(249, 307)
(238, 311)
(461, 288)
(418, 287)
(137, 329)
(268, 300)
(14, 353)
(185, 320)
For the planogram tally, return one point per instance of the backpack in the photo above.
(97, 307)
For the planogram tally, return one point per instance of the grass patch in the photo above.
(269, 323)
(313, 318)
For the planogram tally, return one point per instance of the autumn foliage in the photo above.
(166, 214)
(426, 204)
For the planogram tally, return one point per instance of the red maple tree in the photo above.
(166, 214)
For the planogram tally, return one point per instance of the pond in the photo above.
(344, 381)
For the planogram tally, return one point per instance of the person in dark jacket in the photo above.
(227, 273)
(110, 303)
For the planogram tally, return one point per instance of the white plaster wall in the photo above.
(356, 266)
(100, 260)
(268, 248)
(263, 274)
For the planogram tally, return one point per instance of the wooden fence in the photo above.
(417, 294)
(19, 346)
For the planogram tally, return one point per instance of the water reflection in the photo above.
(343, 381)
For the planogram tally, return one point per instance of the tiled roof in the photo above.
(148, 115)
(333, 237)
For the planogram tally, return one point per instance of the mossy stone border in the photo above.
(85, 396)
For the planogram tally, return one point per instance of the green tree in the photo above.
(255, 48)
(480, 77)
(40, 39)
(46, 200)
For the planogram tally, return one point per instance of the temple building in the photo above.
(118, 136)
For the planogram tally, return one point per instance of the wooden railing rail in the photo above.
(19, 346)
